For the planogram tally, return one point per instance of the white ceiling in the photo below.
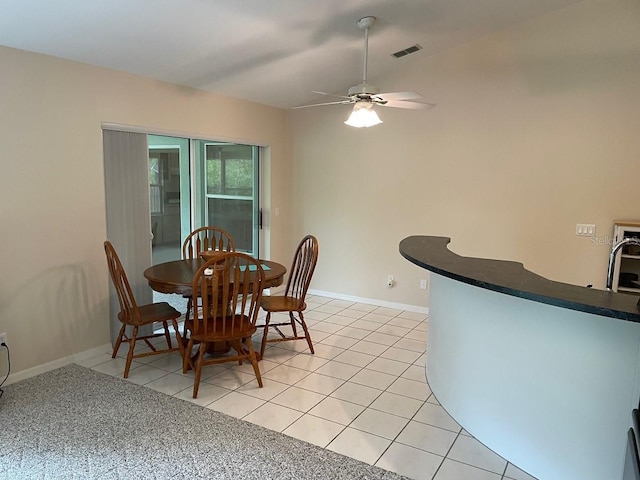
(274, 52)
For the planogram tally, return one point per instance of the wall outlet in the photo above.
(424, 284)
(3, 338)
(390, 281)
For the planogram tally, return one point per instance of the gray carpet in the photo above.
(74, 423)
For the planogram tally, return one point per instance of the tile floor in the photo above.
(363, 394)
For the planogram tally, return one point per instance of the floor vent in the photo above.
(407, 51)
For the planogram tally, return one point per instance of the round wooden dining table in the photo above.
(177, 276)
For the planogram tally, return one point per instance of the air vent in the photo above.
(407, 51)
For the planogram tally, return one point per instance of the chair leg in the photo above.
(186, 317)
(293, 324)
(167, 335)
(198, 367)
(116, 347)
(254, 363)
(132, 346)
(186, 356)
(176, 329)
(306, 332)
(264, 335)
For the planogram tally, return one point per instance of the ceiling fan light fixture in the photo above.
(363, 115)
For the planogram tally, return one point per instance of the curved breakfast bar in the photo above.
(544, 373)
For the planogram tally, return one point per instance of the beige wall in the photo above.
(53, 276)
(535, 130)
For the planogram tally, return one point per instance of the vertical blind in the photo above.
(126, 174)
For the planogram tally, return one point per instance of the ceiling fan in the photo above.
(364, 96)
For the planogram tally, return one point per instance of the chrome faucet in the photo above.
(612, 257)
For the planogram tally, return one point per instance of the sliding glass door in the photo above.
(228, 180)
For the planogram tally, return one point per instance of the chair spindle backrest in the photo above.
(230, 294)
(207, 238)
(129, 313)
(304, 263)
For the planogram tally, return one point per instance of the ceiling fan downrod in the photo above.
(365, 23)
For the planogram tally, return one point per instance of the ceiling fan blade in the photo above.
(343, 102)
(393, 96)
(410, 105)
(331, 95)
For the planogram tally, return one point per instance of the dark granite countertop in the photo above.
(512, 278)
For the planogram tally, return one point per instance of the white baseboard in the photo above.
(371, 301)
(61, 362)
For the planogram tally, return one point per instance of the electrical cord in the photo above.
(3, 344)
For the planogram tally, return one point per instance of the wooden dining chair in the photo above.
(205, 239)
(293, 300)
(135, 316)
(230, 288)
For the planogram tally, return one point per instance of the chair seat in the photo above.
(156, 312)
(242, 329)
(280, 303)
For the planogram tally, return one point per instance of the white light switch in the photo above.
(585, 229)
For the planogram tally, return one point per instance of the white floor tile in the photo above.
(410, 388)
(382, 338)
(360, 445)
(396, 404)
(373, 379)
(416, 373)
(171, 383)
(393, 330)
(400, 355)
(270, 388)
(229, 379)
(310, 314)
(236, 404)
(286, 374)
(410, 462)
(340, 320)
(365, 325)
(355, 333)
(514, 473)
(363, 307)
(336, 410)
(355, 358)
(425, 437)
(369, 348)
(422, 317)
(437, 416)
(470, 451)
(144, 374)
(452, 470)
(400, 321)
(315, 430)
(379, 423)
(306, 361)
(298, 399)
(352, 312)
(377, 317)
(169, 362)
(385, 365)
(355, 393)
(339, 341)
(273, 416)
(414, 345)
(338, 370)
(207, 393)
(340, 303)
(326, 308)
(318, 383)
(326, 351)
